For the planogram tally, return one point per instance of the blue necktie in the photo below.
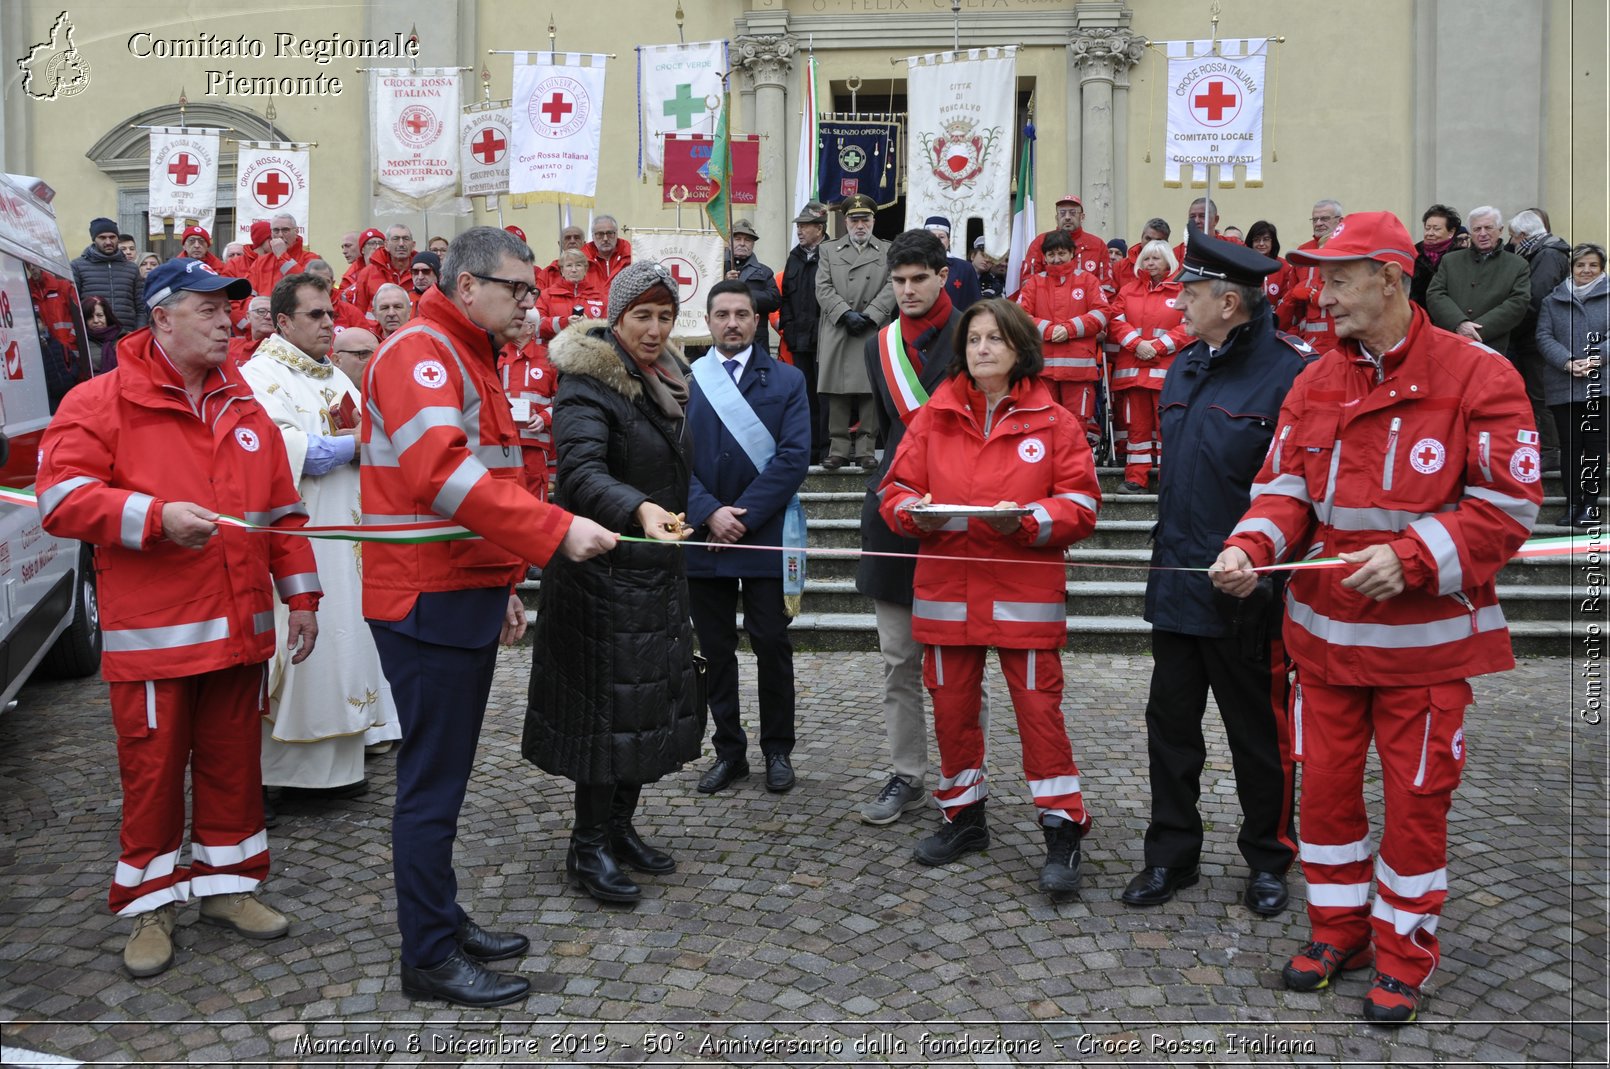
(732, 368)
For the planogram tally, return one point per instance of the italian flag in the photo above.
(1022, 213)
(808, 170)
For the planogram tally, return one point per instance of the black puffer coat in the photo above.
(613, 696)
(111, 276)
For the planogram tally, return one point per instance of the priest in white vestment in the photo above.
(324, 711)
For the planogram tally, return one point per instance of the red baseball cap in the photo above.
(1376, 236)
(195, 232)
(516, 231)
(261, 232)
(1069, 198)
(370, 235)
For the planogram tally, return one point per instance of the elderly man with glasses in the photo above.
(1301, 311)
(608, 252)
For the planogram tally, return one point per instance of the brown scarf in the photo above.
(665, 386)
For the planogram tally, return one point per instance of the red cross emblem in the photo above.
(684, 274)
(271, 189)
(417, 126)
(248, 441)
(183, 169)
(1427, 456)
(417, 123)
(430, 373)
(1031, 450)
(1216, 105)
(1525, 465)
(557, 108)
(488, 147)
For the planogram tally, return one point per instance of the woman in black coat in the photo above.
(613, 700)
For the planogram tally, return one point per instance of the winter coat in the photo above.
(528, 375)
(799, 311)
(267, 269)
(723, 475)
(1217, 413)
(962, 284)
(762, 283)
(1438, 461)
(1495, 292)
(890, 578)
(1031, 451)
(1549, 262)
(1563, 327)
(108, 275)
(1089, 254)
(557, 304)
(849, 279)
(613, 694)
(377, 272)
(603, 269)
(1146, 311)
(119, 446)
(1064, 296)
(1299, 310)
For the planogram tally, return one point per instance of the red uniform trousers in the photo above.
(1143, 446)
(1078, 398)
(537, 469)
(1419, 735)
(212, 723)
(954, 676)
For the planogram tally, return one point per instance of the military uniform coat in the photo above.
(849, 279)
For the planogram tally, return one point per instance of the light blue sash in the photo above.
(759, 446)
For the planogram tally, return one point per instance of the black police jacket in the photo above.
(1216, 416)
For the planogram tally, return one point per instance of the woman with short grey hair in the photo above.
(1571, 329)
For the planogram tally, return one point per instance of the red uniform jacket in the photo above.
(1144, 311)
(604, 269)
(377, 271)
(439, 443)
(558, 303)
(1062, 295)
(1299, 311)
(347, 315)
(267, 269)
(124, 444)
(1277, 285)
(242, 347)
(1089, 254)
(528, 373)
(1034, 453)
(1439, 461)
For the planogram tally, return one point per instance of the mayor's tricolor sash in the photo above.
(759, 446)
(905, 387)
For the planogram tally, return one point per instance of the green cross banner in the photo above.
(679, 90)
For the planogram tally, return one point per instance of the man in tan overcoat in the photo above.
(853, 292)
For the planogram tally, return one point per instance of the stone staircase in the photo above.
(1106, 593)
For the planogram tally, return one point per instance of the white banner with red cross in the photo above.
(697, 261)
(484, 147)
(414, 129)
(963, 112)
(183, 183)
(557, 126)
(270, 179)
(1215, 111)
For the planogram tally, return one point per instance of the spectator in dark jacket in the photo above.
(744, 266)
(103, 271)
(1440, 222)
(1548, 257)
(961, 281)
(1482, 292)
(1571, 329)
(797, 321)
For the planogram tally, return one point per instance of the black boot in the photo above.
(624, 842)
(963, 835)
(1061, 872)
(590, 865)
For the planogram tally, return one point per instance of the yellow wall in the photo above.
(1576, 192)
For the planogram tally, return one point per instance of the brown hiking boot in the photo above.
(149, 950)
(245, 914)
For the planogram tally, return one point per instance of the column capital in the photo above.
(765, 57)
(1105, 52)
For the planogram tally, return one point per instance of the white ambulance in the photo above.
(48, 616)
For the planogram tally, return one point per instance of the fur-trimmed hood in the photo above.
(586, 347)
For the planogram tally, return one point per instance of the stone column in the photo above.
(1101, 51)
(767, 59)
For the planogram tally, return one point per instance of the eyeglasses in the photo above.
(518, 289)
(1324, 218)
(317, 314)
(605, 233)
(424, 271)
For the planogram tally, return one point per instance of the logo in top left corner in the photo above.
(55, 69)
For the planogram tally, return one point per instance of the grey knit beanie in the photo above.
(635, 280)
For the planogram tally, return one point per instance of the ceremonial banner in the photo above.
(183, 182)
(271, 178)
(557, 126)
(677, 90)
(687, 169)
(697, 260)
(413, 124)
(1215, 111)
(858, 157)
(808, 166)
(484, 148)
(959, 148)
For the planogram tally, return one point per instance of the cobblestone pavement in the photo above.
(792, 933)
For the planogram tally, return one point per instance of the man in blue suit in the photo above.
(751, 427)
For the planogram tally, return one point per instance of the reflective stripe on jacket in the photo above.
(1146, 311)
(1066, 297)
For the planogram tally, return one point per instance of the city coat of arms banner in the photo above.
(858, 157)
(963, 110)
(678, 92)
(1215, 111)
(557, 126)
(183, 182)
(484, 148)
(414, 125)
(270, 178)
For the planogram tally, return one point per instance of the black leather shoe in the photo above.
(1060, 874)
(1157, 884)
(594, 869)
(464, 983)
(723, 774)
(779, 773)
(478, 944)
(630, 850)
(968, 833)
(1266, 893)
